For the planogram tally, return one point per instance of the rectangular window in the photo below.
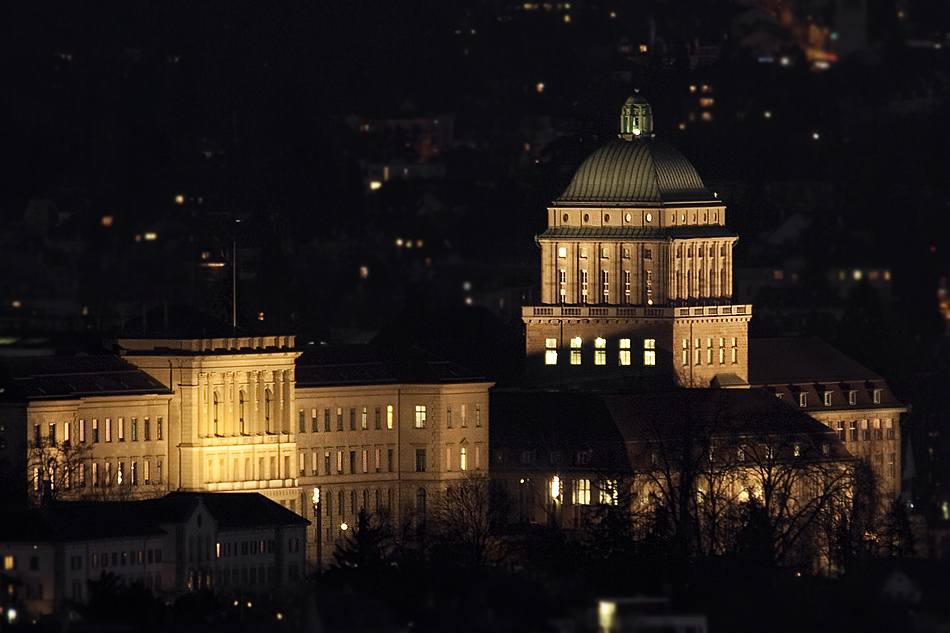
(448, 417)
(301, 421)
(158, 429)
(463, 458)
(159, 469)
(550, 351)
(146, 472)
(389, 416)
(420, 419)
(448, 458)
(562, 284)
(464, 416)
(389, 460)
(626, 286)
(364, 421)
(605, 286)
(66, 435)
(600, 351)
(584, 286)
(876, 396)
(303, 464)
(842, 433)
(854, 430)
(352, 418)
(326, 463)
(852, 397)
(377, 420)
(133, 473)
(339, 418)
(95, 474)
(313, 421)
(313, 463)
(580, 492)
(722, 356)
(95, 431)
(51, 433)
(376, 460)
(420, 460)
(120, 427)
(107, 423)
(478, 415)
(802, 399)
(892, 464)
(576, 350)
(649, 351)
(827, 396)
(624, 351)
(561, 252)
(365, 461)
(134, 429)
(82, 431)
(339, 462)
(146, 430)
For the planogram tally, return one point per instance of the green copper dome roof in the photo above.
(639, 170)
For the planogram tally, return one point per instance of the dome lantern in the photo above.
(636, 118)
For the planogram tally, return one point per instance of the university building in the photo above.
(374, 430)
(636, 271)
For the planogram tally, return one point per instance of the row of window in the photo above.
(712, 353)
(123, 558)
(359, 418)
(648, 217)
(252, 548)
(867, 431)
(103, 474)
(76, 431)
(624, 356)
(827, 397)
(267, 469)
(647, 253)
(359, 500)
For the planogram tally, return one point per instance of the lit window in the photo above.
(605, 286)
(576, 350)
(550, 351)
(852, 397)
(420, 420)
(605, 252)
(562, 252)
(580, 492)
(877, 396)
(827, 398)
(583, 252)
(389, 417)
(649, 351)
(802, 399)
(600, 351)
(463, 458)
(608, 492)
(624, 351)
(584, 286)
(685, 352)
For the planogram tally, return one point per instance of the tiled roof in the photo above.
(637, 171)
(68, 377)
(234, 510)
(802, 360)
(338, 365)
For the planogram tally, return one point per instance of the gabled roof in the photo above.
(236, 510)
(73, 377)
(802, 360)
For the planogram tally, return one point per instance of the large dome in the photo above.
(639, 170)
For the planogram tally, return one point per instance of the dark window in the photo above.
(352, 418)
(352, 462)
(326, 419)
(148, 430)
(158, 430)
(389, 459)
(326, 463)
(377, 418)
(339, 418)
(313, 421)
(420, 460)
(303, 421)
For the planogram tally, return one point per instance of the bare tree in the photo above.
(467, 522)
(56, 469)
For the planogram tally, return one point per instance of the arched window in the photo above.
(421, 500)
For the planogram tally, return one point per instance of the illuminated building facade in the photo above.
(374, 430)
(636, 271)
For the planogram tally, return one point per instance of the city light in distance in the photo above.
(180, 199)
(107, 220)
(540, 87)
